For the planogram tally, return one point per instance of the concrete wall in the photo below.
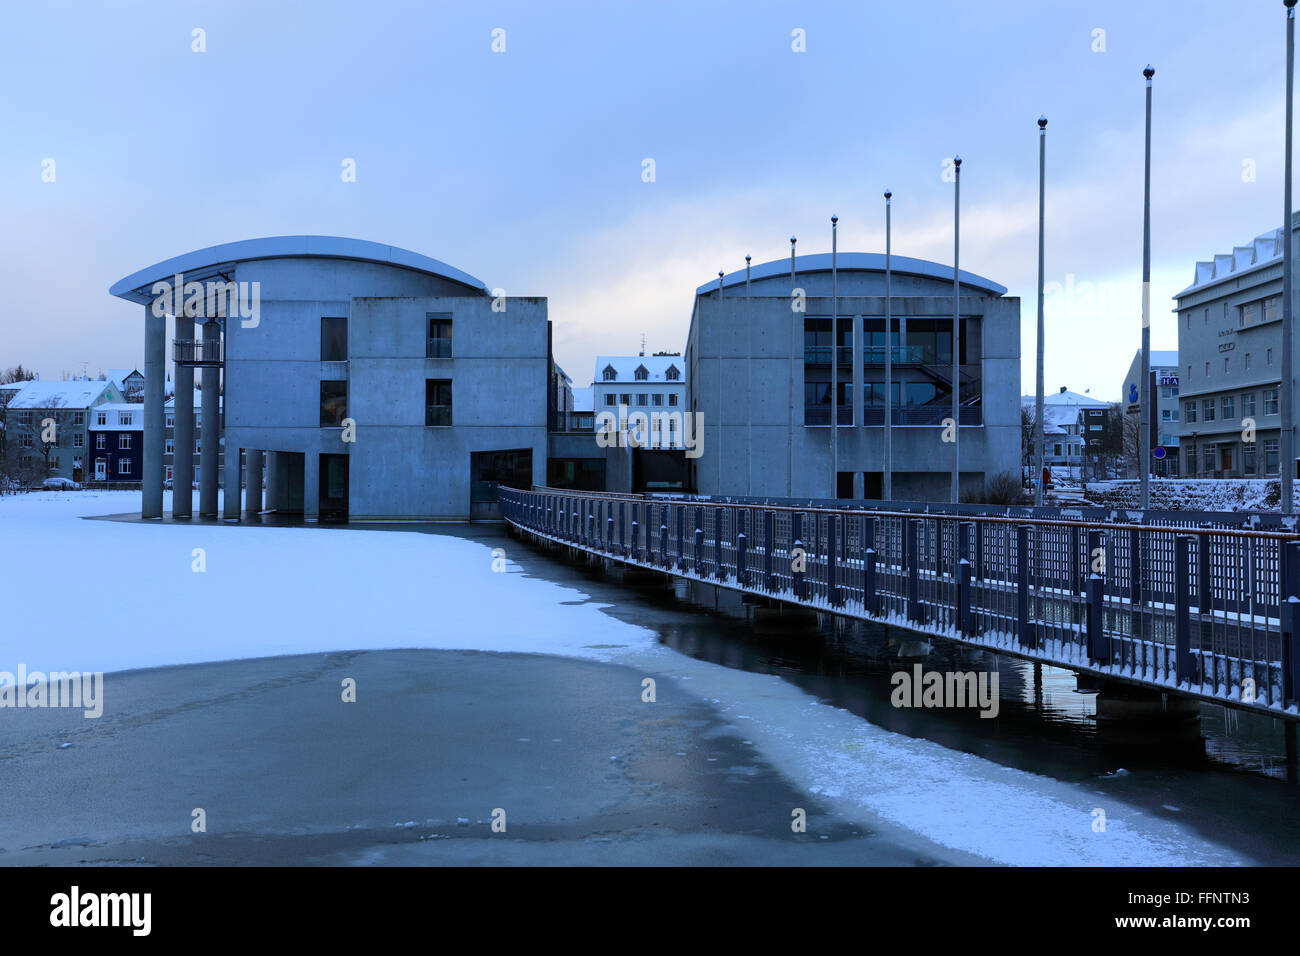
(746, 371)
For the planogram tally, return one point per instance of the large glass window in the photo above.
(333, 403)
(1270, 401)
(437, 401)
(439, 343)
(333, 339)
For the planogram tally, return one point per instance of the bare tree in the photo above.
(1131, 436)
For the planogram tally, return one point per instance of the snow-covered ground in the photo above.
(1189, 494)
(106, 595)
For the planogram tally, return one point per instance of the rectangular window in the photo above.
(1207, 369)
(1229, 407)
(642, 399)
(672, 399)
(123, 441)
(124, 466)
(99, 440)
(1166, 415)
(437, 401)
(333, 403)
(171, 421)
(625, 399)
(78, 440)
(1225, 363)
(124, 417)
(1246, 361)
(657, 398)
(169, 473)
(1268, 357)
(25, 441)
(1191, 461)
(1270, 456)
(611, 400)
(169, 446)
(1207, 410)
(198, 445)
(1247, 404)
(439, 344)
(1270, 401)
(1248, 458)
(333, 339)
(78, 418)
(1189, 412)
(1273, 308)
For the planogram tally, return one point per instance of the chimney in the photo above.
(1062, 389)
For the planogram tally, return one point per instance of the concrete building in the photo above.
(381, 383)
(35, 452)
(1165, 416)
(169, 440)
(760, 374)
(1230, 361)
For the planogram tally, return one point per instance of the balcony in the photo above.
(821, 355)
(197, 352)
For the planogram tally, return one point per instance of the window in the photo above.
(101, 418)
(1268, 357)
(1207, 410)
(169, 474)
(657, 398)
(78, 418)
(123, 441)
(1270, 456)
(625, 399)
(1248, 458)
(1056, 450)
(611, 399)
(641, 374)
(1207, 369)
(1229, 407)
(672, 374)
(25, 418)
(610, 374)
(99, 440)
(171, 421)
(124, 466)
(437, 401)
(1207, 316)
(169, 446)
(672, 399)
(642, 399)
(25, 441)
(1273, 308)
(1191, 461)
(1225, 363)
(1248, 314)
(333, 403)
(125, 417)
(1167, 415)
(1247, 404)
(439, 344)
(1270, 401)
(1246, 360)
(198, 446)
(333, 339)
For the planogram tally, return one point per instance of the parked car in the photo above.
(60, 484)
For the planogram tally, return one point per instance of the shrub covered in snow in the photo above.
(1192, 494)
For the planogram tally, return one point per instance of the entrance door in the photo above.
(333, 487)
(101, 469)
(1226, 452)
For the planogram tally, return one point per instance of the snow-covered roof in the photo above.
(75, 394)
(198, 401)
(1066, 399)
(584, 399)
(119, 375)
(625, 367)
(1265, 249)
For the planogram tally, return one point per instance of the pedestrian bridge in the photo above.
(1164, 602)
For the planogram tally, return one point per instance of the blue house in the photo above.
(117, 442)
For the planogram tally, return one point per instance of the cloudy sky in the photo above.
(524, 167)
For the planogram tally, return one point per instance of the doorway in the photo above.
(333, 488)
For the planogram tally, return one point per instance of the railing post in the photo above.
(699, 541)
(1098, 642)
(636, 533)
(798, 558)
(964, 530)
(609, 527)
(663, 536)
(681, 537)
(769, 526)
(741, 544)
(978, 558)
(1135, 582)
(832, 560)
(1028, 633)
(869, 564)
(1288, 593)
(718, 520)
(1183, 664)
(1204, 593)
(913, 570)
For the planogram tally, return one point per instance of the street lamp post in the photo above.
(1037, 477)
(1286, 466)
(835, 363)
(789, 412)
(1144, 453)
(956, 333)
(887, 484)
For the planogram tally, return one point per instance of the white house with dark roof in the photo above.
(640, 382)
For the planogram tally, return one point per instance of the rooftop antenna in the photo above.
(643, 343)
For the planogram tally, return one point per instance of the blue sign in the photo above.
(1158, 452)
(1132, 394)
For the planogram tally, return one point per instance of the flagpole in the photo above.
(749, 382)
(887, 485)
(1037, 476)
(720, 319)
(789, 412)
(956, 333)
(1144, 398)
(835, 362)
(1286, 464)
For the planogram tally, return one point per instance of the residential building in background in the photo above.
(1074, 433)
(116, 435)
(32, 450)
(1230, 362)
(1163, 420)
(760, 374)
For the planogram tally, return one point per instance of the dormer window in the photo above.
(641, 373)
(672, 374)
(609, 373)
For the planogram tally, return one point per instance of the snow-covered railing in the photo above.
(1205, 611)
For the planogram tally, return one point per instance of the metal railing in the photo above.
(1207, 612)
(197, 351)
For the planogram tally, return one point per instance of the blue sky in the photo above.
(524, 167)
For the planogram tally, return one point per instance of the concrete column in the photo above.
(253, 482)
(230, 483)
(183, 434)
(155, 371)
(311, 486)
(208, 432)
(273, 502)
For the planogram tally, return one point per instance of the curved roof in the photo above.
(851, 262)
(206, 263)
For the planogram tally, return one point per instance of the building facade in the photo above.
(117, 442)
(1230, 362)
(759, 372)
(382, 384)
(640, 383)
(1163, 422)
(33, 449)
